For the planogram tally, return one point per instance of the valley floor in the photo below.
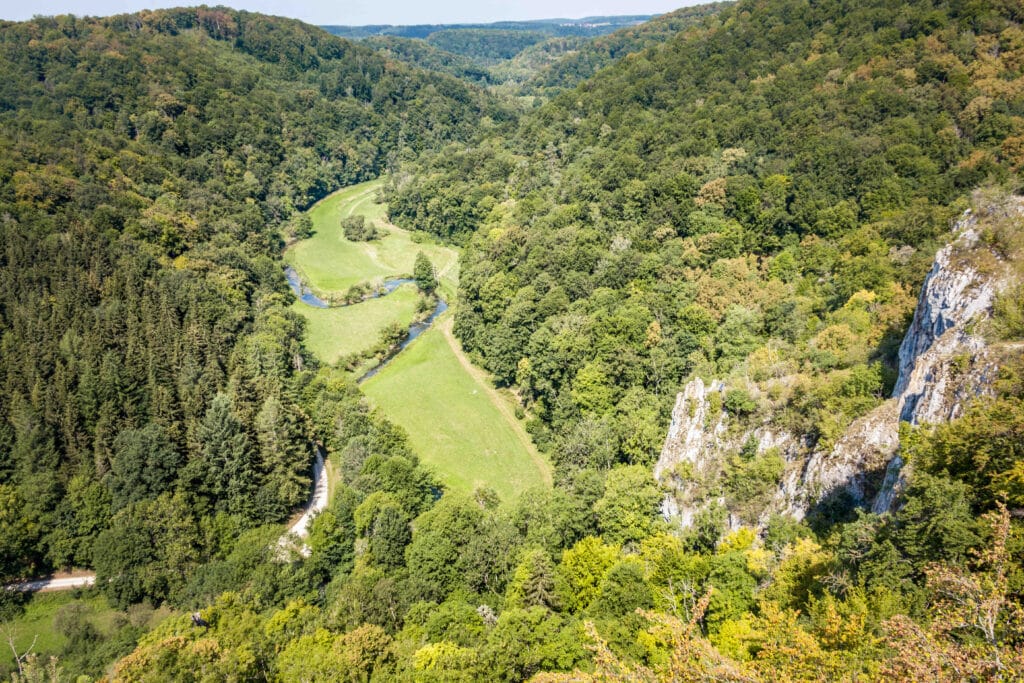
(459, 424)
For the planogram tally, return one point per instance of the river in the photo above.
(306, 296)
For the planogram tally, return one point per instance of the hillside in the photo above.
(753, 288)
(152, 372)
(586, 26)
(528, 58)
(592, 55)
(420, 53)
(716, 206)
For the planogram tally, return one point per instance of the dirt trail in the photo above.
(481, 378)
(56, 582)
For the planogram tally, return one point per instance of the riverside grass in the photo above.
(334, 333)
(329, 263)
(454, 419)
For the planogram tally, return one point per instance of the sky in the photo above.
(360, 12)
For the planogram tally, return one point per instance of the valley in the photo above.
(458, 423)
(641, 348)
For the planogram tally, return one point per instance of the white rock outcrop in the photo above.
(944, 361)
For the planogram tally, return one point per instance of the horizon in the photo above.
(362, 13)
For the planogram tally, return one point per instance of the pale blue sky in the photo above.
(358, 12)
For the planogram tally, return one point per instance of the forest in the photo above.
(751, 193)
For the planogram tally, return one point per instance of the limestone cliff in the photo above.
(944, 361)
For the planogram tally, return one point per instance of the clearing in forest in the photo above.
(330, 263)
(462, 427)
(334, 333)
(458, 423)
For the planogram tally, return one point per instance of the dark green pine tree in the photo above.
(284, 459)
(389, 535)
(533, 584)
(144, 465)
(224, 470)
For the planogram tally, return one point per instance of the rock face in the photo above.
(943, 362)
(954, 294)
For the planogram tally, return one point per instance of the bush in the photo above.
(738, 402)
(356, 229)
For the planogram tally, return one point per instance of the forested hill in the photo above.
(151, 372)
(601, 51)
(422, 54)
(529, 57)
(758, 197)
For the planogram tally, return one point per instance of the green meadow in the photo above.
(334, 333)
(36, 627)
(457, 422)
(460, 426)
(328, 262)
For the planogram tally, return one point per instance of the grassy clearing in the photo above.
(330, 263)
(37, 624)
(333, 333)
(455, 420)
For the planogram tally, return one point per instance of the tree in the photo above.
(581, 570)
(533, 583)
(17, 534)
(437, 555)
(145, 464)
(628, 510)
(224, 469)
(357, 229)
(525, 641)
(284, 459)
(622, 591)
(977, 625)
(423, 273)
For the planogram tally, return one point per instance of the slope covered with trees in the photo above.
(150, 366)
(756, 198)
(424, 55)
(593, 55)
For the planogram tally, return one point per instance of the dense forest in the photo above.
(718, 206)
(533, 59)
(152, 373)
(585, 26)
(424, 55)
(749, 192)
(590, 56)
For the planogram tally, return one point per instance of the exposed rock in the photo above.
(943, 360)
(689, 431)
(943, 363)
(863, 450)
(953, 295)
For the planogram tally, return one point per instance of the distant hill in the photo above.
(587, 26)
(418, 52)
(528, 57)
(592, 55)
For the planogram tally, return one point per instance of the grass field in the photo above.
(333, 333)
(456, 421)
(37, 622)
(329, 263)
(461, 427)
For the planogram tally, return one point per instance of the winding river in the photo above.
(418, 327)
(306, 295)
